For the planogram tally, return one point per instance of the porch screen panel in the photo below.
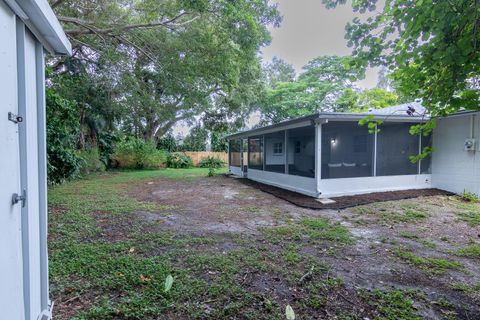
(426, 163)
(255, 153)
(301, 151)
(347, 150)
(275, 152)
(394, 147)
(234, 149)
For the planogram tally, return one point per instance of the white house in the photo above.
(28, 28)
(329, 154)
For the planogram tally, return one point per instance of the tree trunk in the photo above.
(81, 138)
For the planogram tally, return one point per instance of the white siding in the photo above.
(453, 168)
(11, 280)
(235, 170)
(290, 182)
(32, 175)
(351, 186)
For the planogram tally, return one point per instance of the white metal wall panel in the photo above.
(11, 279)
(453, 168)
(32, 174)
(235, 170)
(298, 184)
(351, 186)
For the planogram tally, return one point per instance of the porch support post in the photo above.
(318, 155)
(375, 139)
(419, 164)
(286, 150)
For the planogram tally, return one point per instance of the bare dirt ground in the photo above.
(406, 244)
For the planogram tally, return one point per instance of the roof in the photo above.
(42, 22)
(398, 113)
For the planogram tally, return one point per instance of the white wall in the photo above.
(235, 170)
(11, 279)
(290, 182)
(351, 186)
(453, 168)
(274, 158)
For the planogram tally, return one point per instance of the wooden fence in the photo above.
(197, 156)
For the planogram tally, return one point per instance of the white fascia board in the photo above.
(41, 20)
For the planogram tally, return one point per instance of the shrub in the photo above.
(211, 162)
(179, 160)
(90, 161)
(63, 162)
(138, 154)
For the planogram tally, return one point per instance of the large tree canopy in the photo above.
(430, 46)
(164, 60)
(317, 88)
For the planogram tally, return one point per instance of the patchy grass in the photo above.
(408, 235)
(395, 304)
(389, 213)
(472, 251)
(313, 229)
(428, 264)
(106, 262)
(471, 217)
(469, 289)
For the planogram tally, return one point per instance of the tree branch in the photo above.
(87, 27)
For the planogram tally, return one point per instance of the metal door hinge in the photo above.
(16, 198)
(15, 118)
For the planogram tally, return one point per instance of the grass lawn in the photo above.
(235, 252)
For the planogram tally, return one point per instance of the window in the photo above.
(301, 151)
(255, 153)
(278, 148)
(347, 150)
(234, 150)
(395, 145)
(274, 155)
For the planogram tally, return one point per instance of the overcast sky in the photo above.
(309, 30)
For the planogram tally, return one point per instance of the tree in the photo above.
(317, 89)
(165, 60)
(278, 71)
(430, 46)
(364, 100)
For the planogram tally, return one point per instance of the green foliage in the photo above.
(132, 153)
(371, 123)
(196, 140)
(62, 128)
(472, 250)
(470, 197)
(317, 88)
(428, 264)
(211, 162)
(278, 71)
(431, 47)
(179, 160)
(90, 161)
(170, 58)
(363, 100)
(167, 143)
(395, 304)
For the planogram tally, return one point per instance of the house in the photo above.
(329, 154)
(28, 28)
